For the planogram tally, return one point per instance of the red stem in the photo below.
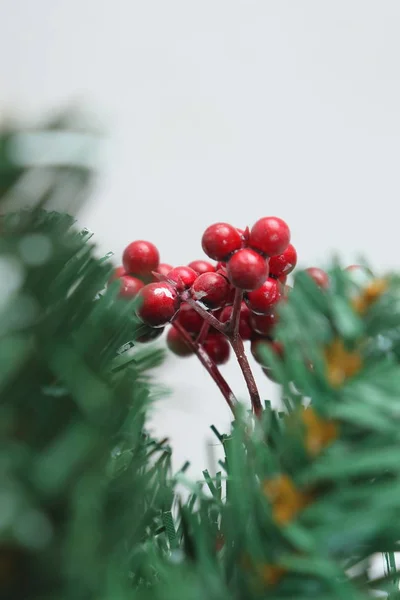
(209, 365)
(205, 328)
(233, 327)
(208, 317)
(238, 348)
(231, 331)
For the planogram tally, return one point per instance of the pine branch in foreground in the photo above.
(310, 494)
(81, 480)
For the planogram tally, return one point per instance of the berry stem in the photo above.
(238, 348)
(210, 367)
(236, 343)
(208, 317)
(233, 327)
(203, 333)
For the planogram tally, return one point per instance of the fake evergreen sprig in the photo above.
(73, 400)
(312, 493)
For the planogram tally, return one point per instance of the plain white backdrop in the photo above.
(222, 110)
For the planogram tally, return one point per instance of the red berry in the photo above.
(202, 266)
(163, 269)
(270, 235)
(183, 277)
(258, 347)
(217, 314)
(320, 277)
(217, 348)
(130, 286)
(243, 236)
(189, 318)
(264, 299)
(283, 264)
(282, 279)
(177, 344)
(220, 240)
(159, 303)
(247, 270)
(150, 335)
(211, 289)
(231, 296)
(263, 324)
(116, 274)
(140, 258)
(245, 330)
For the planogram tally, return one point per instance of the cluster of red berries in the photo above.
(255, 261)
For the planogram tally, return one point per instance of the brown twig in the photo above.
(231, 331)
(208, 317)
(233, 327)
(238, 348)
(205, 328)
(209, 365)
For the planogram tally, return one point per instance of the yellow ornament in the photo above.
(286, 500)
(369, 295)
(319, 432)
(341, 363)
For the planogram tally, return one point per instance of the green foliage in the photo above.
(89, 507)
(75, 460)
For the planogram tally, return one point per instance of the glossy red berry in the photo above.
(217, 347)
(260, 345)
(270, 235)
(211, 289)
(202, 266)
(243, 236)
(263, 324)
(220, 240)
(130, 286)
(177, 344)
(264, 299)
(231, 296)
(140, 258)
(182, 277)
(116, 274)
(189, 318)
(247, 270)
(149, 335)
(163, 269)
(320, 277)
(158, 303)
(283, 264)
(245, 330)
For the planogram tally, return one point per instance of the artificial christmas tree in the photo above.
(89, 505)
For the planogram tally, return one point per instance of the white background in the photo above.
(222, 110)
